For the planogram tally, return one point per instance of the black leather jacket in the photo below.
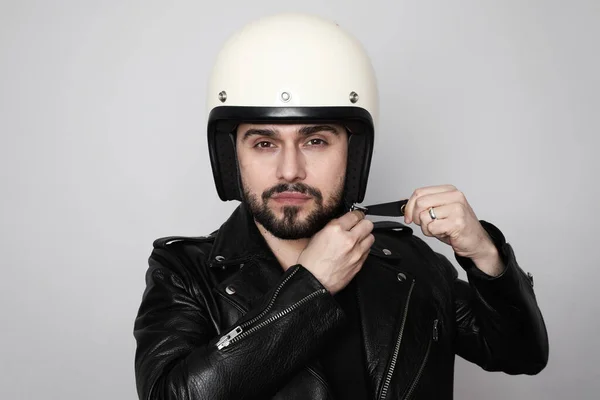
(220, 319)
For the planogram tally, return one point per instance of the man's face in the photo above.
(293, 175)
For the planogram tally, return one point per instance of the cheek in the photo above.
(254, 175)
(329, 172)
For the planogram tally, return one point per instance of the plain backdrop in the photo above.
(103, 149)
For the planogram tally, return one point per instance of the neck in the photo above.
(286, 251)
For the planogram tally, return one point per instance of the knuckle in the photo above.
(419, 203)
(348, 242)
(460, 209)
(335, 227)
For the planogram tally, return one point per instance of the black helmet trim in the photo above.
(223, 122)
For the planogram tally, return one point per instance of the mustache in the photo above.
(293, 187)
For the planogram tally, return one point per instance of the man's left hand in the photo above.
(455, 224)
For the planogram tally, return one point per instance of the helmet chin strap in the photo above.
(392, 209)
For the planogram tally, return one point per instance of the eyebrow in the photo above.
(309, 130)
(304, 131)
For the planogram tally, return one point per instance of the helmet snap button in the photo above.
(286, 96)
(386, 252)
(223, 96)
(401, 277)
(353, 97)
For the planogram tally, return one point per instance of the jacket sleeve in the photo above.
(180, 355)
(499, 324)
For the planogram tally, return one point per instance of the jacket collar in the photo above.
(238, 240)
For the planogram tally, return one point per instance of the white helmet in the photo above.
(292, 68)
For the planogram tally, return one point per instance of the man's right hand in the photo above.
(337, 252)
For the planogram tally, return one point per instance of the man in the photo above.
(295, 296)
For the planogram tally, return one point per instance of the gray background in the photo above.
(103, 150)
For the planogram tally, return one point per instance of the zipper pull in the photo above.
(225, 340)
(435, 330)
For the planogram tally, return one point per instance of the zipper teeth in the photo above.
(388, 378)
(418, 377)
(277, 316)
(270, 305)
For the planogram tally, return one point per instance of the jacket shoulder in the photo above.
(392, 227)
(169, 241)
(181, 254)
(390, 235)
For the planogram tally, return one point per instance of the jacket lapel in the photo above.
(395, 303)
(382, 298)
(244, 266)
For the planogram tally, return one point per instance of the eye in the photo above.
(316, 142)
(264, 145)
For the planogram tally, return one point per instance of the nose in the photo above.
(291, 164)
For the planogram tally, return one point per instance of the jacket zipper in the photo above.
(388, 378)
(224, 341)
(435, 337)
(239, 333)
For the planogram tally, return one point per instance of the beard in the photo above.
(289, 227)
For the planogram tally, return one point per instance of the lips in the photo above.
(290, 197)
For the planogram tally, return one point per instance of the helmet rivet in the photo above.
(285, 97)
(223, 96)
(353, 97)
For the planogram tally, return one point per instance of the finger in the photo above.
(362, 229)
(424, 221)
(442, 228)
(435, 200)
(348, 220)
(424, 191)
(450, 215)
(364, 256)
(454, 210)
(365, 245)
(428, 201)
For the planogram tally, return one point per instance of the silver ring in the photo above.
(432, 213)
